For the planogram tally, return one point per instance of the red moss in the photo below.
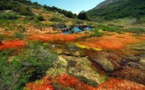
(11, 44)
(64, 79)
(34, 86)
(69, 81)
(46, 84)
(120, 84)
(116, 41)
(53, 37)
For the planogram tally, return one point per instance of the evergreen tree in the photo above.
(83, 16)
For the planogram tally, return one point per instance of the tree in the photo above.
(83, 16)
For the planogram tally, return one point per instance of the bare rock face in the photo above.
(132, 74)
(105, 64)
(107, 61)
(79, 67)
(120, 84)
(142, 63)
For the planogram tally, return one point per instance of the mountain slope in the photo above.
(23, 7)
(119, 9)
(104, 3)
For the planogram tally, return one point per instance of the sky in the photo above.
(71, 5)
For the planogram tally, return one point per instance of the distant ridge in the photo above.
(114, 9)
(104, 3)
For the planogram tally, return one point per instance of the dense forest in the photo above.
(119, 9)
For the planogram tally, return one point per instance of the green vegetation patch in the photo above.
(136, 30)
(29, 65)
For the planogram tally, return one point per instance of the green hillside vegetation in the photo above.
(105, 2)
(119, 9)
(55, 9)
(24, 7)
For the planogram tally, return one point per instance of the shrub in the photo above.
(136, 30)
(39, 58)
(19, 35)
(29, 65)
(55, 19)
(23, 10)
(96, 33)
(41, 18)
(8, 16)
(112, 28)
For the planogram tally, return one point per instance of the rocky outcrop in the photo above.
(105, 64)
(126, 63)
(120, 84)
(132, 74)
(142, 63)
(79, 67)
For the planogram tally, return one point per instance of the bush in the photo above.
(136, 30)
(39, 58)
(28, 66)
(8, 16)
(23, 10)
(96, 33)
(112, 28)
(19, 35)
(41, 18)
(55, 19)
(83, 16)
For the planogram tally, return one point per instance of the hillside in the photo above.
(47, 48)
(26, 16)
(119, 9)
(104, 3)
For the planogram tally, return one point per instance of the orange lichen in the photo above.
(120, 84)
(11, 44)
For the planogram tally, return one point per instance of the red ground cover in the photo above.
(69, 81)
(45, 84)
(52, 37)
(64, 79)
(116, 41)
(120, 84)
(142, 37)
(11, 44)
